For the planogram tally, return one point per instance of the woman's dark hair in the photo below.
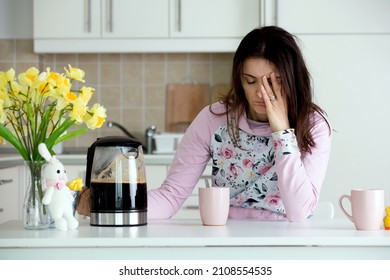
(280, 48)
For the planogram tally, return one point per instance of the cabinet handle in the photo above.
(276, 12)
(87, 16)
(268, 12)
(109, 27)
(178, 16)
(1, 210)
(3, 182)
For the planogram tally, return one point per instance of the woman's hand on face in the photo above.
(276, 104)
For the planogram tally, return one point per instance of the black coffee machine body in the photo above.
(116, 177)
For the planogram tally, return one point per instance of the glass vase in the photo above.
(35, 214)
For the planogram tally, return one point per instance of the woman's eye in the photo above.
(250, 82)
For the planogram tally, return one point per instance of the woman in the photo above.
(268, 142)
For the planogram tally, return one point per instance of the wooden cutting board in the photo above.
(184, 102)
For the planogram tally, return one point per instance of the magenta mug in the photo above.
(367, 206)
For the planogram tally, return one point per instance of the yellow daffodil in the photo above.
(3, 115)
(86, 93)
(96, 117)
(78, 111)
(75, 73)
(76, 184)
(41, 107)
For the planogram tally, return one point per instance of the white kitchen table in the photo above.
(188, 239)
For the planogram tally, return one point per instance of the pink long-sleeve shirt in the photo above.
(269, 178)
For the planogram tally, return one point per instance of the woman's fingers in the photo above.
(268, 88)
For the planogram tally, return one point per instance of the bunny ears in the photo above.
(44, 152)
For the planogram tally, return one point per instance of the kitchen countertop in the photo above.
(8, 159)
(188, 239)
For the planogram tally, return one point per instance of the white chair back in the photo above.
(324, 210)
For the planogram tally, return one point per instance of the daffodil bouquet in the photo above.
(41, 107)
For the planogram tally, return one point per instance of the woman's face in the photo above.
(252, 71)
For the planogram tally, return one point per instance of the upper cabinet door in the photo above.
(67, 19)
(135, 18)
(333, 16)
(213, 19)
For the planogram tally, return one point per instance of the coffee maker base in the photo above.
(138, 218)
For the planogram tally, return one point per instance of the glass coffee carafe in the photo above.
(117, 180)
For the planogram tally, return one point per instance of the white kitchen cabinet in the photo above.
(333, 16)
(213, 19)
(155, 175)
(67, 19)
(10, 194)
(101, 26)
(135, 18)
(100, 18)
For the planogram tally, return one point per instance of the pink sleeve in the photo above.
(187, 167)
(300, 176)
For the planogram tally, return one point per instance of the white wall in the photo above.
(352, 83)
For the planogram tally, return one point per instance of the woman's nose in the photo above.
(258, 91)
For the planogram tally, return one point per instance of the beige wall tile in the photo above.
(177, 57)
(63, 60)
(199, 57)
(110, 74)
(114, 115)
(220, 73)
(133, 97)
(92, 74)
(155, 57)
(87, 138)
(227, 57)
(25, 51)
(155, 96)
(133, 119)
(200, 72)
(110, 58)
(133, 74)
(46, 60)
(88, 58)
(111, 96)
(23, 66)
(5, 66)
(155, 73)
(177, 72)
(132, 57)
(155, 116)
(7, 50)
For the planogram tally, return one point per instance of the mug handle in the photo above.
(342, 208)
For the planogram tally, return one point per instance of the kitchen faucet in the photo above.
(111, 124)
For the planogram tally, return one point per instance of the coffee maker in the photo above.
(116, 177)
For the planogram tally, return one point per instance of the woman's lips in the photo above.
(259, 103)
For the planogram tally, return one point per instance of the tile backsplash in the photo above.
(132, 86)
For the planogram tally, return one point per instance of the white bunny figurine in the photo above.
(57, 195)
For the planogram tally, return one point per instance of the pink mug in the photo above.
(367, 208)
(214, 203)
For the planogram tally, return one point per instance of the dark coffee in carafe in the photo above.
(118, 197)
